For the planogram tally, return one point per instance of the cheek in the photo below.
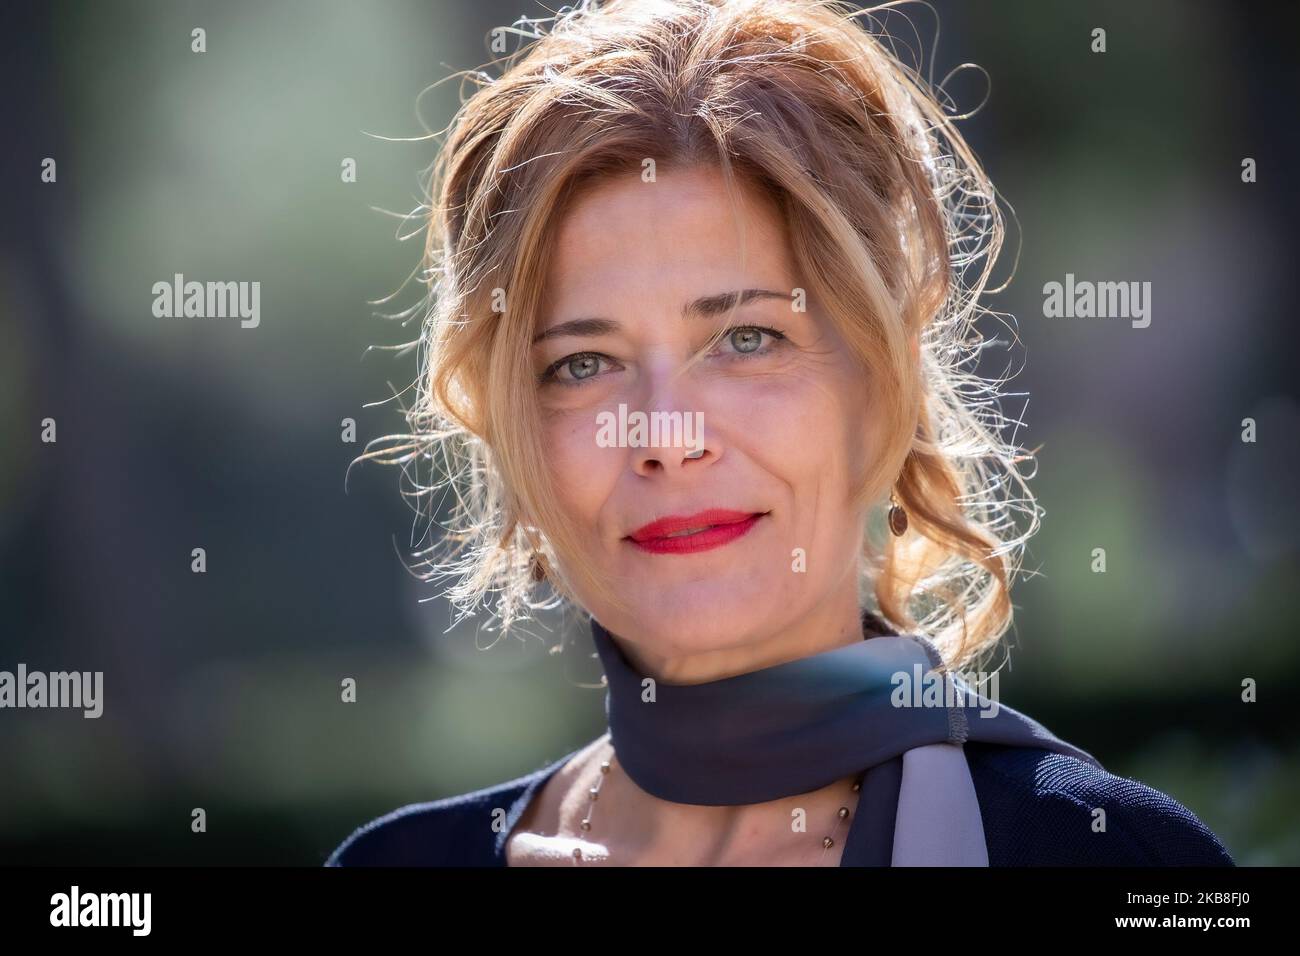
(582, 472)
(805, 426)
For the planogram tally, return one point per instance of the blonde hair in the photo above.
(893, 225)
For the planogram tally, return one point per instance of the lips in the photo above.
(702, 531)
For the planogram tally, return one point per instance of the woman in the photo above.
(704, 284)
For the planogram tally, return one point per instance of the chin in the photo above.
(713, 613)
(678, 631)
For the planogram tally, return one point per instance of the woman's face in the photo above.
(639, 279)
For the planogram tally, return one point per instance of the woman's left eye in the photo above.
(748, 339)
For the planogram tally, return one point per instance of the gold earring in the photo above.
(897, 516)
(536, 569)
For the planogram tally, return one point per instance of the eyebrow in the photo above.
(707, 306)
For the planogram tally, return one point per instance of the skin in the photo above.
(787, 433)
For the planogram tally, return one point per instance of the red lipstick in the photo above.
(686, 534)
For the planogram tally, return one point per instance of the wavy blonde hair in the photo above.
(893, 225)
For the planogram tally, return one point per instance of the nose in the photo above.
(674, 435)
(662, 458)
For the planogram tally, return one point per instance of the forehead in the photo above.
(678, 235)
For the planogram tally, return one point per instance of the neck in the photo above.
(835, 622)
(636, 828)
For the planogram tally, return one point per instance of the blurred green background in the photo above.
(222, 689)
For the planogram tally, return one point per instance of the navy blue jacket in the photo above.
(1037, 807)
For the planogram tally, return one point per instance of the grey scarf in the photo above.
(881, 705)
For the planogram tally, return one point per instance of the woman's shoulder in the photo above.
(1042, 808)
(460, 830)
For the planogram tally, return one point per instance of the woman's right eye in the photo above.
(574, 369)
